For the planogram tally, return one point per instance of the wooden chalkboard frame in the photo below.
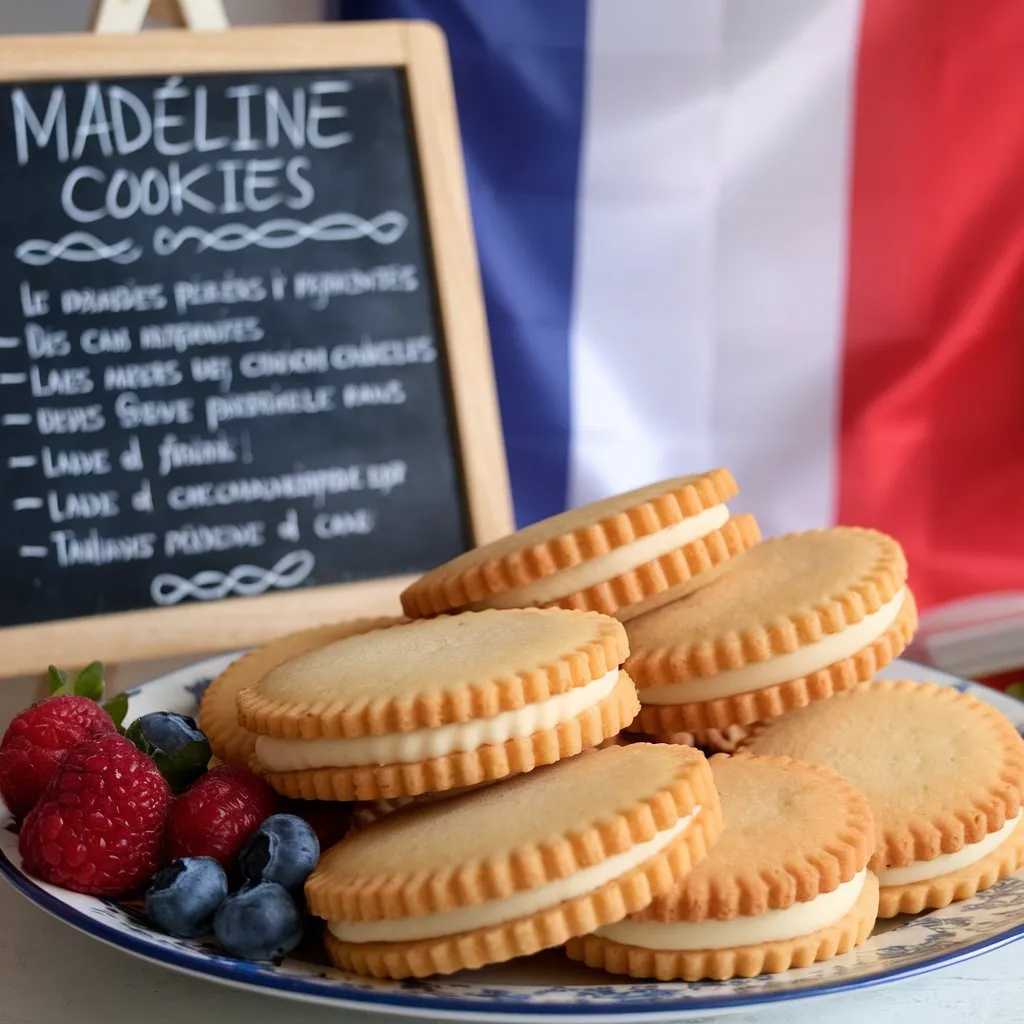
(418, 48)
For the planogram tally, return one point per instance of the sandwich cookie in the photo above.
(793, 620)
(711, 741)
(366, 812)
(614, 556)
(218, 714)
(943, 773)
(512, 869)
(785, 885)
(441, 703)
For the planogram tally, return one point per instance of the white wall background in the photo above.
(73, 15)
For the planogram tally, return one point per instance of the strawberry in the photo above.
(99, 826)
(218, 815)
(38, 740)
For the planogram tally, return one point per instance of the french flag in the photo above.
(783, 237)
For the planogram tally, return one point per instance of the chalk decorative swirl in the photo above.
(244, 580)
(76, 247)
(284, 233)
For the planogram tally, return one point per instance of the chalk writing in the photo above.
(244, 580)
(221, 368)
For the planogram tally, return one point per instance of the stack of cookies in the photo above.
(527, 751)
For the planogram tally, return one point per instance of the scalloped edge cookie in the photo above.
(543, 930)
(594, 646)
(712, 741)
(779, 634)
(414, 892)
(218, 714)
(738, 962)
(935, 893)
(468, 768)
(597, 531)
(667, 577)
(996, 801)
(367, 812)
(773, 701)
(747, 890)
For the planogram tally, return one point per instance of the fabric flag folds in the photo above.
(784, 237)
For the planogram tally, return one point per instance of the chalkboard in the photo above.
(226, 365)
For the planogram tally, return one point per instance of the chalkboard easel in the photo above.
(340, 438)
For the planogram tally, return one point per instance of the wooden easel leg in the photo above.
(129, 16)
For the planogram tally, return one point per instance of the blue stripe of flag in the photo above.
(519, 75)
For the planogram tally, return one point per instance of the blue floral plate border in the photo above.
(546, 987)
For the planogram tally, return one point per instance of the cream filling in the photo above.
(284, 755)
(607, 566)
(782, 667)
(520, 904)
(771, 926)
(921, 870)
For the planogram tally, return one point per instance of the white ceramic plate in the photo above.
(546, 987)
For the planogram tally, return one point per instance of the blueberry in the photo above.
(170, 732)
(175, 743)
(184, 896)
(259, 922)
(284, 849)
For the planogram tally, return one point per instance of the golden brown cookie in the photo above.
(740, 962)
(366, 812)
(218, 714)
(613, 556)
(794, 620)
(440, 704)
(711, 741)
(943, 771)
(511, 869)
(913, 897)
(465, 768)
(787, 882)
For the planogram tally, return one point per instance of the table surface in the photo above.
(51, 974)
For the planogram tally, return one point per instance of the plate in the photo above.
(547, 987)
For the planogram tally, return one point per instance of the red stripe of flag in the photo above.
(932, 447)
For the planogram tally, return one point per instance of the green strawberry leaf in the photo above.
(134, 733)
(117, 708)
(1016, 690)
(89, 682)
(180, 770)
(58, 681)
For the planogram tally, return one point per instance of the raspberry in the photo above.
(38, 740)
(99, 826)
(218, 815)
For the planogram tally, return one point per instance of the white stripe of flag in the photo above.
(711, 246)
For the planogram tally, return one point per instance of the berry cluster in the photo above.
(260, 921)
(112, 812)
